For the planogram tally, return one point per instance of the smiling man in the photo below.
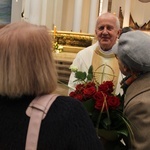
(99, 55)
(107, 30)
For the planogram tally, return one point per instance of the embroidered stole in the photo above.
(105, 67)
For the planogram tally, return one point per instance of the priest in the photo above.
(99, 55)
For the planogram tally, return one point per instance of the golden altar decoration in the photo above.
(72, 43)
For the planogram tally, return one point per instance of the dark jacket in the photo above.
(66, 126)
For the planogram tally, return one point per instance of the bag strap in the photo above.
(37, 111)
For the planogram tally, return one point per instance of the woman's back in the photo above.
(66, 126)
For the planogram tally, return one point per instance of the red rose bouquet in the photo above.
(104, 108)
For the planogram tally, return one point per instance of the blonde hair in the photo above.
(26, 62)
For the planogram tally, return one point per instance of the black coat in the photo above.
(66, 126)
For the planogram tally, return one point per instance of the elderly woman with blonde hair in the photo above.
(27, 70)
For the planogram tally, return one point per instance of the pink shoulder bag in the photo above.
(37, 111)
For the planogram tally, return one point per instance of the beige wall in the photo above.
(60, 12)
(67, 15)
(139, 11)
(85, 16)
(16, 10)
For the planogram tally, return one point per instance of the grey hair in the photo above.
(109, 14)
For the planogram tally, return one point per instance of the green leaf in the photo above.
(107, 122)
(110, 135)
(89, 105)
(123, 132)
(90, 70)
(90, 73)
(80, 75)
(89, 77)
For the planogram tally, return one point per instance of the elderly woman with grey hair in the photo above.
(133, 54)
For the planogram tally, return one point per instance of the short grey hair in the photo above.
(111, 15)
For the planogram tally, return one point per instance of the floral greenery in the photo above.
(104, 107)
(57, 47)
(74, 39)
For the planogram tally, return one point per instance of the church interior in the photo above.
(71, 23)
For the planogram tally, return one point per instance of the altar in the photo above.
(66, 46)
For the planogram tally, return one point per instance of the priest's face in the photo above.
(107, 31)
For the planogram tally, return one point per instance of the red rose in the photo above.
(89, 84)
(80, 87)
(72, 94)
(113, 101)
(110, 86)
(106, 87)
(99, 98)
(103, 88)
(79, 97)
(89, 92)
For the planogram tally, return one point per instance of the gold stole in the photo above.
(105, 67)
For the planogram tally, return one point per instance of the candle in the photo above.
(54, 30)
